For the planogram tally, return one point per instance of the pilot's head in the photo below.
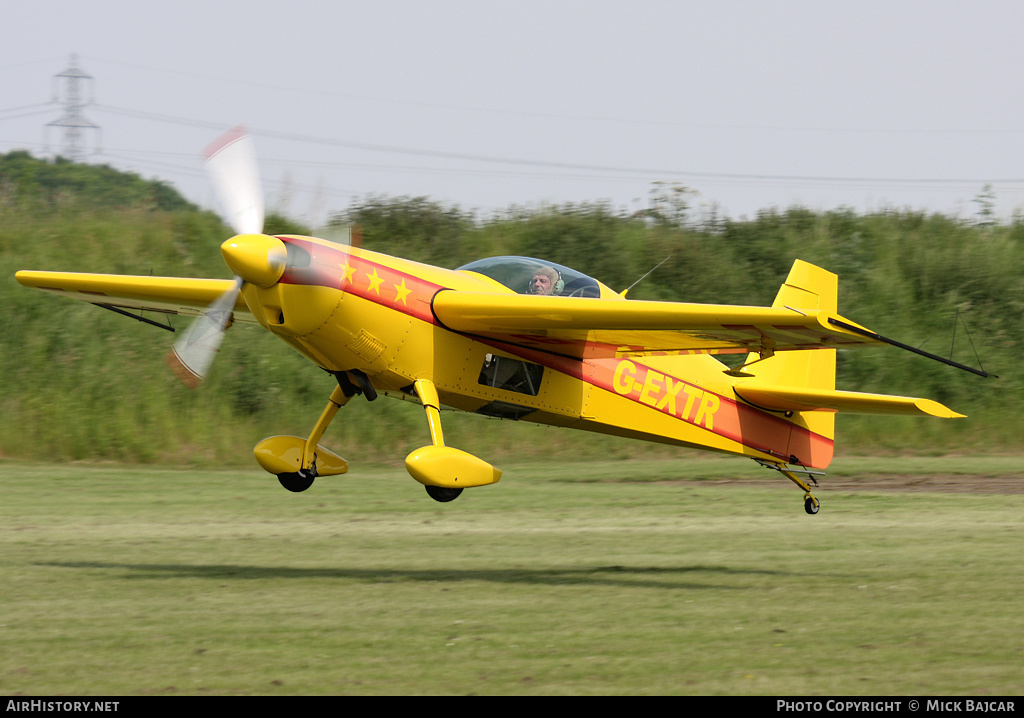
(545, 281)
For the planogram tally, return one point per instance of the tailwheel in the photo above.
(811, 504)
(793, 473)
(298, 480)
(442, 494)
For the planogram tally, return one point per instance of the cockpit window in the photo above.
(535, 276)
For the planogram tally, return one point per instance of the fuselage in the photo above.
(349, 309)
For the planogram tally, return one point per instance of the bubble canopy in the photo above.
(517, 273)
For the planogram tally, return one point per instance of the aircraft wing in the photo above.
(574, 326)
(169, 295)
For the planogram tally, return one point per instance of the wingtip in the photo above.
(27, 277)
(934, 408)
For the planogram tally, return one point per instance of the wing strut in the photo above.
(137, 317)
(878, 337)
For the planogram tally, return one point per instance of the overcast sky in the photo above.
(487, 104)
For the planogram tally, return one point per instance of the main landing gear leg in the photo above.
(303, 478)
(427, 393)
(443, 470)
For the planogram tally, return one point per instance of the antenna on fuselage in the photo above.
(623, 293)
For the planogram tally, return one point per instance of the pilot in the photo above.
(546, 282)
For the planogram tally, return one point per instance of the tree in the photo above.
(986, 201)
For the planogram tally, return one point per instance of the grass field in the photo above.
(605, 578)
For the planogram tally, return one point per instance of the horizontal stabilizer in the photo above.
(787, 398)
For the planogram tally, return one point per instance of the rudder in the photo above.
(807, 287)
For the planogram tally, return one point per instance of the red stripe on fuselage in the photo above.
(337, 268)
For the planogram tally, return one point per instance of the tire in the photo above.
(297, 481)
(442, 494)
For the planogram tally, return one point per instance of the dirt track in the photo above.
(950, 483)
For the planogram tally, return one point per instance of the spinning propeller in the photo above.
(254, 257)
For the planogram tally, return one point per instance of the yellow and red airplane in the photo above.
(511, 337)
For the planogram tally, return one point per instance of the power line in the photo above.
(646, 171)
(499, 166)
(47, 109)
(682, 124)
(34, 107)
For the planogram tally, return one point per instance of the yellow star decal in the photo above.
(401, 292)
(348, 270)
(374, 282)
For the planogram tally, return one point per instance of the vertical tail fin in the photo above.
(806, 287)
